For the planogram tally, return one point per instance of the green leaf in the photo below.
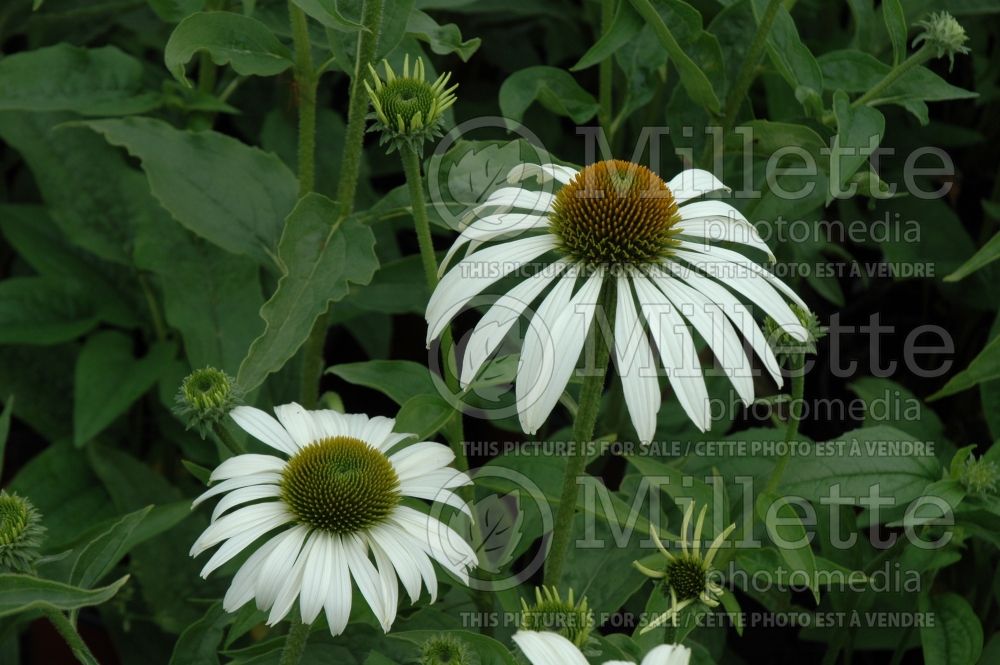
(199, 643)
(955, 636)
(984, 367)
(792, 58)
(859, 132)
(423, 415)
(767, 137)
(101, 554)
(21, 593)
(895, 24)
(401, 380)
(889, 403)
(785, 529)
(173, 11)
(8, 409)
(984, 256)
(500, 521)
(321, 255)
(328, 13)
(947, 495)
(101, 81)
(553, 88)
(624, 26)
(244, 43)
(693, 79)
(38, 310)
(443, 39)
(225, 191)
(109, 379)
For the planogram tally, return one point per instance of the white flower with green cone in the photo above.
(546, 648)
(329, 504)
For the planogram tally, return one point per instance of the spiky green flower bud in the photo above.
(205, 397)
(784, 345)
(21, 533)
(445, 649)
(408, 108)
(550, 612)
(979, 476)
(943, 34)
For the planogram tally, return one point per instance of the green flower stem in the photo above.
(231, 444)
(73, 640)
(748, 70)
(915, 60)
(312, 362)
(306, 81)
(154, 308)
(295, 642)
(606, 74)
(798, 379)
(583, 434)
(371, 18)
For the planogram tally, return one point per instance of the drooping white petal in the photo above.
(715, 221)
(440, 541)
(420, 458)
(244, 495)
(552, 348)
(693, 183)
(317, 576)
(409, 558)
(242, 589)
(636, 366)
(299, 423)
(476, 272)
(240, 520)
(261, 426)
(542, 172)
(436, 486)
(387, 578)
(291, 584)
(668, 654)
(278, 565)
(510, 198)
(677, 352)
(548, 648)
(246, 465)
(501, 317)
(492, 227)
(338, 593)
(711, 323)
(366, 577)
(266, 478)
(241, 541)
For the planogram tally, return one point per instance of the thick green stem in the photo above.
(371, 18)
(605, 74)
(227, 439)
(73, 640)
(305, 84)
(583, 435)
(918, 58)
(798, 379)
(295, 643)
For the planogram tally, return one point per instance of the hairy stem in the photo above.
(918, 58)
(305, 83)
(227, 439)
(798, 379)
(72, 637)
(295, 643)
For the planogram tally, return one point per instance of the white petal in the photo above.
(420, 458)
(552, 348)
(317, 575)
(711, 323)
(548, 648)
(244, 495)
(716, 221)
(278, 565)
(509, 198)
(636, 365)
(542, 172)
(493, 227)
(501, 317)
(261, 426)
(440, 541)
(366, 577)
(677, 352)
(291, 585)
(329, 423)
(242, 589)
(668, 654)
(241, 541)
(476, 272)
(270, 477)
(299, 423)
(246, 465)
(339, 594)
(238, 521)
(692, 183)
(409, 559)
(387, 577)
(377, 430)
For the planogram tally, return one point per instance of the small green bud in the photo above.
(979, 476)
(408, 109)
(21, 534)
(205, 397)
(550, 612)
(445, 650)
(784, 345)
(943, 34)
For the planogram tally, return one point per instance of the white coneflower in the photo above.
(544, 648)
(615, 227)
(331, 501)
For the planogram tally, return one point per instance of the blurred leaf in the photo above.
(401, 380)
(859, 133)
(174, 10)
(984, 256)
(328, 13)
(895, 24)
(553, 88)
(199, 643)
(109, 379)
(423, 415)
(101, 81)
(443, 39)
(39, 310)
(231, 194)
(784, 528)
(766, 137)
(100, 555)
(21, 593)
(321, 255)
(499, 519)
(889, 403)
(244, 43)
(8, 409)
(793, 59)
(984, 367)
(624, 26)
(955, 637)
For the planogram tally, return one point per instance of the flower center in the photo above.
(615, 212)
(686, 576)
(404, 98)
(550, 612)
(341, 485)
(13, 518)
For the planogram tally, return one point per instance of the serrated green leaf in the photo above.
(39, 310)
(225, 191)
(242, 42)
(321, 255)
(21, 593)
(109, 379)
(100, 81)
(443, 39)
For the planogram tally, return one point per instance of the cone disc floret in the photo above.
(407, 108)
(341, 485)
(550, 612)
(21, 533)
(615, 213)
(445, 650)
